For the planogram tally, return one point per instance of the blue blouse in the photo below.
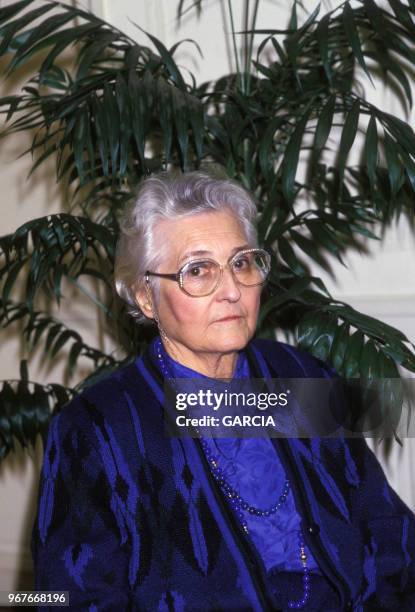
(252, 467)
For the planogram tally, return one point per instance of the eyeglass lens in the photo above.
(249, 268)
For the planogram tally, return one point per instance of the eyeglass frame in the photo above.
(178, 276)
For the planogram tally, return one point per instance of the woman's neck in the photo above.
(213, 365)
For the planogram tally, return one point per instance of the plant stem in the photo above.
(235, 48)
(251, 46)
(86, 292)
(246, 43)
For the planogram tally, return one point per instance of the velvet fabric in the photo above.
(131, 520)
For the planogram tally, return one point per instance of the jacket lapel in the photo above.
(324, 479)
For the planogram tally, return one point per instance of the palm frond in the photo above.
(42, 329)
(26, 409)
(51, 248)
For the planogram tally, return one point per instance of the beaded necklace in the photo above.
(237, 502)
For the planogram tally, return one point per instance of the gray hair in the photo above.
(170, 195)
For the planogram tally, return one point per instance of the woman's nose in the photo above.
(228, 288)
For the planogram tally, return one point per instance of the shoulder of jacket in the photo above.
(104, 399)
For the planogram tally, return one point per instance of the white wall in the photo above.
(382, 285)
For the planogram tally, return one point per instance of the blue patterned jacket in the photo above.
(129, 519)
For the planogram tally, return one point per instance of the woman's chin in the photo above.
(231, 340)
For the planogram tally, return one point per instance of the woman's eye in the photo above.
(199, 269)
(241, 263)
(195, 271)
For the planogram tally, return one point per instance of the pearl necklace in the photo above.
(237, 502)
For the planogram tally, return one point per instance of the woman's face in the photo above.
(222, 322)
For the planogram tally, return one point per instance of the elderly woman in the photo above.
(132, 519)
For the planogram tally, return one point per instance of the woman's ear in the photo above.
(145, 301)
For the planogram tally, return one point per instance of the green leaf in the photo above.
(339, 346)
(291, 158)
(60, 41)
(309, 328)
(98, 115)
(102, 235)
(174, 48)
(181, 122)
(308, 246)
(369, 364)
(197, 121)
(288, 255)
(26, 411)
(353, 352)
(324, 237)
(165, 116)
(93, 53)
(34, 333)
(294, 291)
(323, 342)
(79, 143)
(401, 130)
(391, 66)
(375, 16)
(196, 4)
(324, 125)
(322, 35)
(402, 14)
(45, 155)
(371, 151)
(24, 372)
(60, 342)
(353, 37)
(409, 167)
(123, 102)
(74, 354)
(8, 12)
(36, 40)
(52, 333)
(348, 136)
(11, 29)
(168, 61)
(112, 121)
(370, 326)
(266, 142)
(395, 174)
(390, 395)
(280, 51)
(12, 273)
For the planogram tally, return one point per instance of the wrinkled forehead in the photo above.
(217, 235)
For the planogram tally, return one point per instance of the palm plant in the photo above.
(123, 110)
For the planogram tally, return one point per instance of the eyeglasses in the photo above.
(202, 277)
